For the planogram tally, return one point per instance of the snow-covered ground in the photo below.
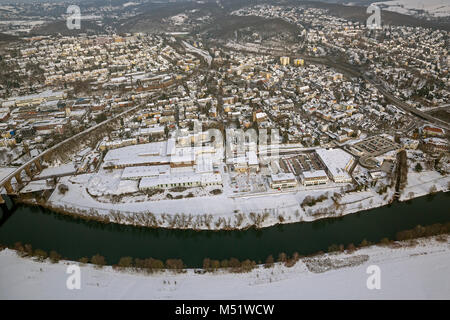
(420, 183)
(434, 8)
(92, 192)
(420, 272)
(64, 169)
(229, 209)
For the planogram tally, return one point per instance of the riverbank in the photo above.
(236, 213)
(409, 270)
(28, 224)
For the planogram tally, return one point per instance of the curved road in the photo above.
(389, 96)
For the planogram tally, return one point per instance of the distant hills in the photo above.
(60, 27)
(154, 15)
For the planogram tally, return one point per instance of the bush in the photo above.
(351, 247)
(62, 188)
(234, 264)
(419, 231)
(125, 262)
(100, 118)
(404, 235)
(207, 264)
(152, 192)
(175, 264)
(247, 265)
(40, 254)
(156, 264)
(269, 262)
(28, 249)
(54, 256)
(149, 264)
(98, 260)
(364, 243)
(139, 263)
(282, 257)
(311, 201)
(224, 263)
(19, 247)
(333, 248)
(83, 260)
(418, 167)
(215, 264)
(293, 260)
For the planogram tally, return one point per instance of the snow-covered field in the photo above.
(419, 184)
(420, 272)
(434, 8)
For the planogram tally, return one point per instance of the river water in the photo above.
(75, 238)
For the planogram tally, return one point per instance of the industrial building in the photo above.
(338, 164)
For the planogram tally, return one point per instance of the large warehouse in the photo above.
(338, 163)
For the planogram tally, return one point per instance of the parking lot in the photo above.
(375, 145)
(300, 163)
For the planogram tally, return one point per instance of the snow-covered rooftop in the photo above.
(144, 171)
(336, 160)
(147, 153)
(314, 174)
(203, 179)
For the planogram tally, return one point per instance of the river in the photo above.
(75, 238)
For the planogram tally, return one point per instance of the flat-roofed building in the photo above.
(253, 163)
(188, 180)
(137, 155)
(338, 163)
(312, 178)
(282, 181)
(136, 173)
(240, 164)
(184, 157)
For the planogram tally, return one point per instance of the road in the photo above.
(438, 107)
(78, 135)
(56, 146)
(389, 97)
(406, 107)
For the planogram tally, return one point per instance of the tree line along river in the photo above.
(75, 238)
